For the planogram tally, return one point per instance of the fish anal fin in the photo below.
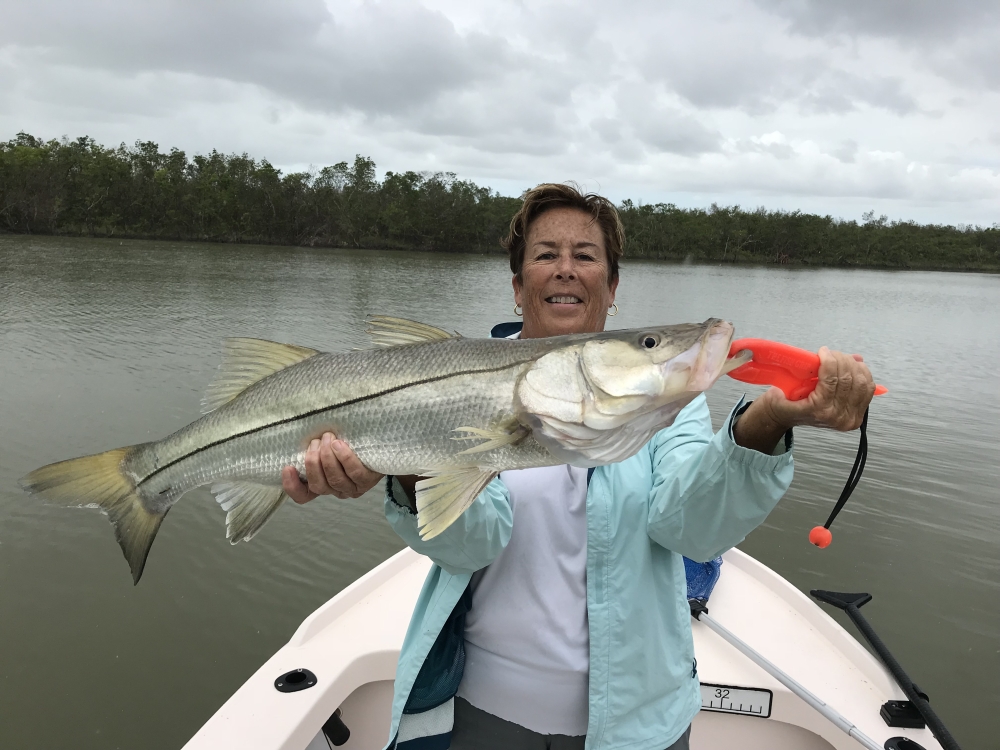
(244, 362)
(441, 499)
(248, 507)
(389, 331)
(507, 431)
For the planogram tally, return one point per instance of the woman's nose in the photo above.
(565, 269)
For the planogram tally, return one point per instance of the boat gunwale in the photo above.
(353, 594)
(828, 628)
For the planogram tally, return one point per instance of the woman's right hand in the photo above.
(332, 468)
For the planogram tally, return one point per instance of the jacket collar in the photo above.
(506, 330)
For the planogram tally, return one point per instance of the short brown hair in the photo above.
(550, 195)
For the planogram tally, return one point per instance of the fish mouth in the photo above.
(714, 351)
(564, 299)
(697, 368)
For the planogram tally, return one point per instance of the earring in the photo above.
(517, 312)
(614, 305)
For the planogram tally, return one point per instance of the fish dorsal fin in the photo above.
(244, 362)
(387, 331)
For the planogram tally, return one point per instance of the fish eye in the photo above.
(649, 341)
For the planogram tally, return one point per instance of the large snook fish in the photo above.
(424, 401)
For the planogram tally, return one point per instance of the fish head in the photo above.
(602, 396)
(646, 368)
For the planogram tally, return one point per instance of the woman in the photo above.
(570, 627)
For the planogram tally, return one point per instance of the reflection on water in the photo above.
(108, 343)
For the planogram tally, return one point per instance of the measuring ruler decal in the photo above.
(731, 699)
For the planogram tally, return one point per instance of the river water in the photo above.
(109, 343)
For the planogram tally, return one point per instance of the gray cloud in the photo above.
(833, 106)
(649, 117)
(899, 19)
(376, 58)
(746, 62)
(684, 136)
(193, 37)
(846, 151)
(956, 39)
(838, 92)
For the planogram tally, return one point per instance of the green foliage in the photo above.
(81, 187)
(736, 236)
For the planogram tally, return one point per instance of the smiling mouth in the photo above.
(564, 300)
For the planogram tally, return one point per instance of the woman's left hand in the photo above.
(839, 401)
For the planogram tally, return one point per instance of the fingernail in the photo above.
(327, 439)
(338, 445)
(314, 445)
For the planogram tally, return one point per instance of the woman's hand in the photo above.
(332, 468)
(842, 394)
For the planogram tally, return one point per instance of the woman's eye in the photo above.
(650, 342)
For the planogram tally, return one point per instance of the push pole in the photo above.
(836, 718)
(850, 603)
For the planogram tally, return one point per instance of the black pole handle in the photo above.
(850, 604)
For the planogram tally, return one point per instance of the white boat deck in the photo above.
(352, 644)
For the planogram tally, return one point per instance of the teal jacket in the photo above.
(687, 492)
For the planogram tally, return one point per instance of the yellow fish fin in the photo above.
(244, 362)
(441, 499)
(248, 507)
(388, 331)
(100, 481)
(507, 431)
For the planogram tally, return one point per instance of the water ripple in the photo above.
(107, 343)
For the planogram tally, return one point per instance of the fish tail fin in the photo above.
(99, 481)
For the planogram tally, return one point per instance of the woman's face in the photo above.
(564, 286)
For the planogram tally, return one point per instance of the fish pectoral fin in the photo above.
(244, 362)
(441, 499)
(388, 331)
(507, 432)
(248, 507)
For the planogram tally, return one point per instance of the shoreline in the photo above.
(792, 264)
(80, 188)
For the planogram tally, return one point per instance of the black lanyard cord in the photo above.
(856, 470)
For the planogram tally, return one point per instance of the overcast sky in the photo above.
(830, 106)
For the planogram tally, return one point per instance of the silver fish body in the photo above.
(453, 409)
